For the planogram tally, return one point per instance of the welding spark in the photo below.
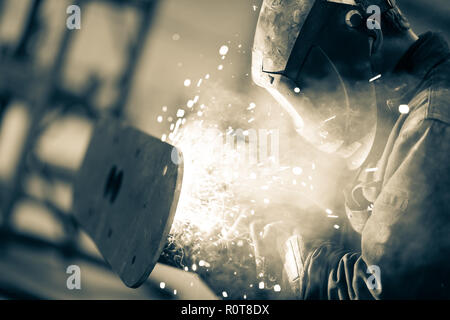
(375, 78)
(329, 119)
(180, 113)
(222, 193)
(297, 171)
(223, 50)
(403, 109)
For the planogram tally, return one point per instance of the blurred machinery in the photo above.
(45, 99)
(33, 96)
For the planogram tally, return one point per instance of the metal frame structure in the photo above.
(21, 78)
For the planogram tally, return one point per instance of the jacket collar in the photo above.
(401, 86)
(425, 54)
(414, 67)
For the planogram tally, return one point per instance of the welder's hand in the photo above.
(268, 240)
(277, 233)
(282, 249)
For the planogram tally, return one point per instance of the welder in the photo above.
(358, 83)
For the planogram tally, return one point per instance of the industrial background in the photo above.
(137, 60)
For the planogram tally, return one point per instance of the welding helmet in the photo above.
(313, 57)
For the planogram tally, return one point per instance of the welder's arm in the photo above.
(406, 236)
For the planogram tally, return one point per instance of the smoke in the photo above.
(228, 184)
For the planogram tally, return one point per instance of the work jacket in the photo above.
(404, 220)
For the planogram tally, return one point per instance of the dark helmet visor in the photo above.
(301, 56)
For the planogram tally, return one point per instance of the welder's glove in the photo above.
(281, 247)
(268, 240)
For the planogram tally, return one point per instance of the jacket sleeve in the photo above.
(405, 242)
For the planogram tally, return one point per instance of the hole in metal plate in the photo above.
(113, 184)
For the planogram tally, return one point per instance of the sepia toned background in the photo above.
(139, 60)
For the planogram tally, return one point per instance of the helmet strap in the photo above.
(384, 5)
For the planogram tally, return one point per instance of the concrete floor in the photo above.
(31, 272)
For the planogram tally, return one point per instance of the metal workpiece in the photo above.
(125, 198)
